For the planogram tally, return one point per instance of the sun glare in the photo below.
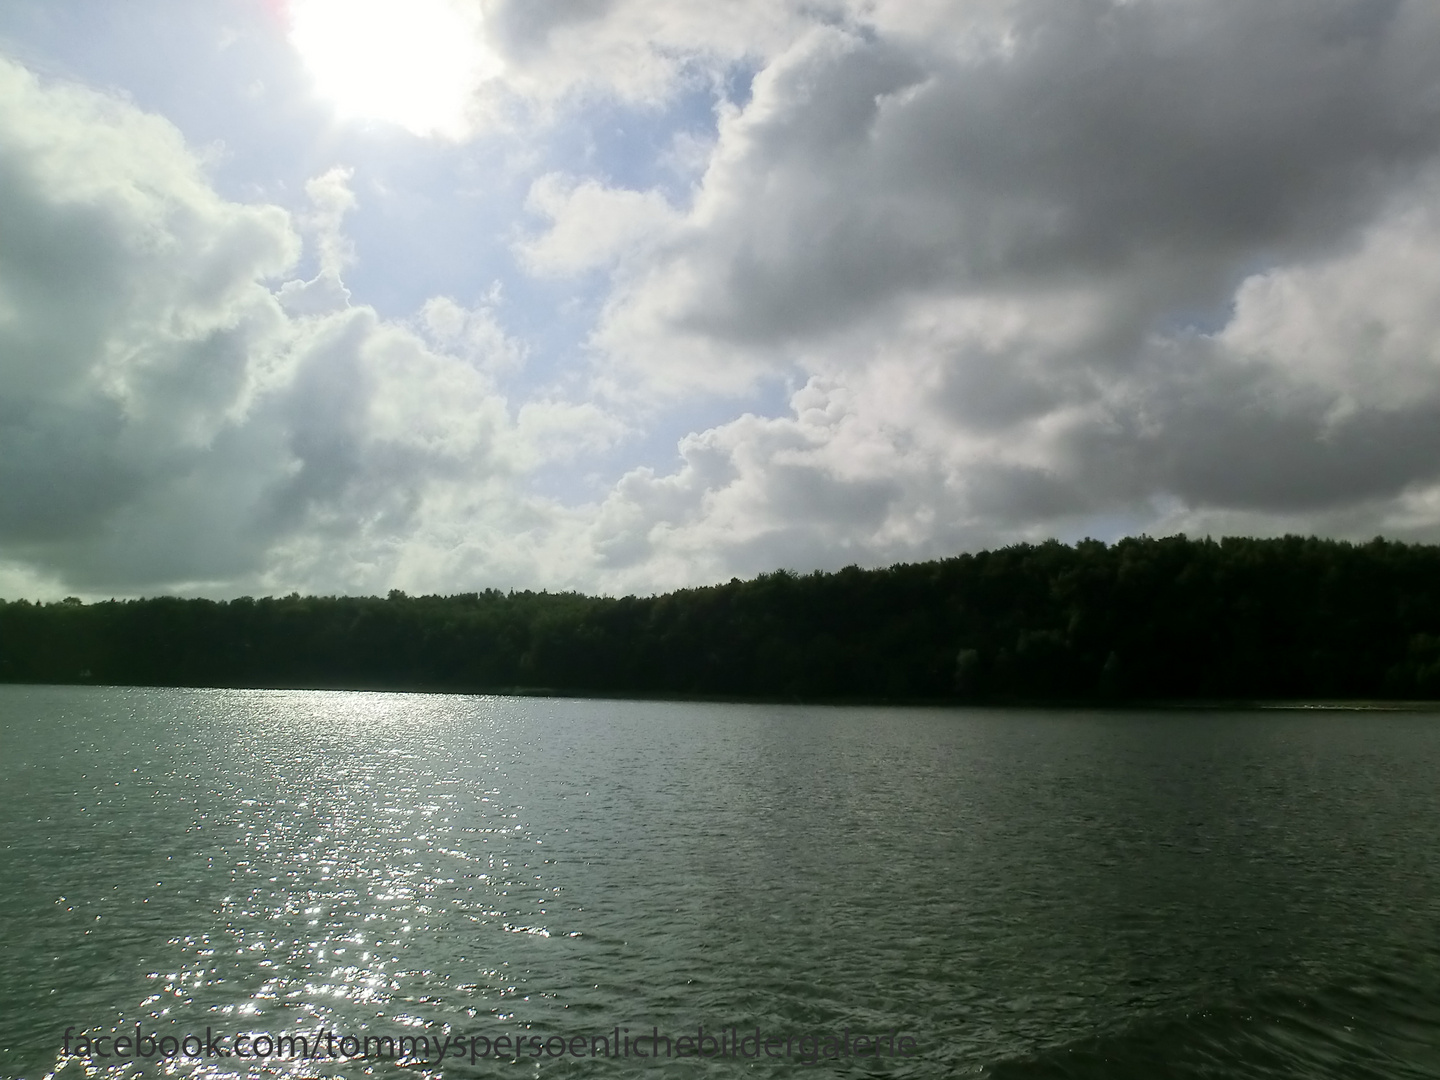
(414, 63)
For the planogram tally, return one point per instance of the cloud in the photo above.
(591, 226)
(1158, 144)
(637, 51)
(173, 414)
(1068, 265)
(132, 306)
(332, 199)
(472, 333)
(1021, 268)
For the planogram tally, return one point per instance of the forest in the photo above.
(1140, 620)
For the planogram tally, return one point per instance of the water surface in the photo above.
(1027, 894)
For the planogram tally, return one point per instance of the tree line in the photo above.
(1138, 620)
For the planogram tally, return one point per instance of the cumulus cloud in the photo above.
(1070, 266)
(590, 226)
(1167, 140)
(173, 413)
(639, 51)
(134, 320)
(1026, 267)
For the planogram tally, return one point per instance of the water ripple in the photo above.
(1028, 894)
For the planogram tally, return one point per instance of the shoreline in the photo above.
(560, 694)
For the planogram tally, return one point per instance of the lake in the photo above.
(536, 884)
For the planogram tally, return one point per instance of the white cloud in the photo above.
(169, 421)
(1023, 255)
(472, 333)
(332, 198)
(641, 51)
(1362, 325)
(137, 318)
(1029, 267)
(591, 226)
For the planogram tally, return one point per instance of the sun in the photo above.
(415, 63)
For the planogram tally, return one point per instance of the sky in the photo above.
(342, 296)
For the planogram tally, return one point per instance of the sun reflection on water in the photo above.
(342, 871)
